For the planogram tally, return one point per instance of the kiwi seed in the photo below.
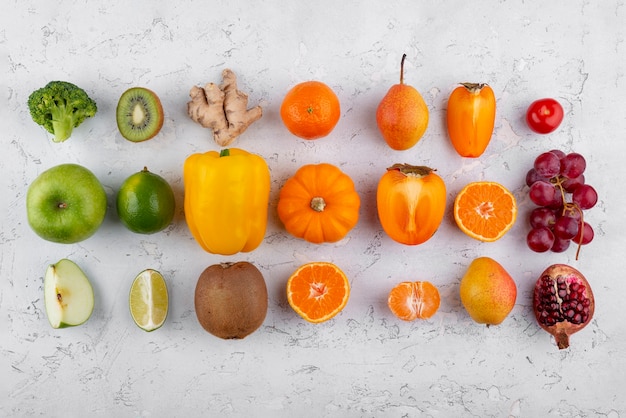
(139, 114)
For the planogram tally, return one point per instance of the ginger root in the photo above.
(224, 109)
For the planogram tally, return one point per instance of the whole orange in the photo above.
(310, 110)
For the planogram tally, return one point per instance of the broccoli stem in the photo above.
(62, 122)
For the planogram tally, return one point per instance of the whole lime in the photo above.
(145, 202)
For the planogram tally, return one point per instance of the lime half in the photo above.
(148, 300)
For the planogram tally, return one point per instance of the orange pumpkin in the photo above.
(319, 204)
(470, 118)
(411, 203)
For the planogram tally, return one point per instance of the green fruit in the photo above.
(66, 204)
(68, 295)
(145, 203)
(139, 114)
(148, 300)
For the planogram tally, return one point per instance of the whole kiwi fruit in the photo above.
(231, 299)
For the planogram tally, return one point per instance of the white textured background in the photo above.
(364, 362)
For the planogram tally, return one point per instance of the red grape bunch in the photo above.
(557, 185)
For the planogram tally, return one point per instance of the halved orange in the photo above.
(318, 291)
(485, 210)
(412, 300)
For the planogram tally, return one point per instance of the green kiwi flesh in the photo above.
(139, 114)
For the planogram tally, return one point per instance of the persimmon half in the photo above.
(411, 202)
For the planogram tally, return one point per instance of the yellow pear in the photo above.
(488, 292)
(402, 115)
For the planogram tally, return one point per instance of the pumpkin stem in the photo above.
(412, 170)
(318, 204)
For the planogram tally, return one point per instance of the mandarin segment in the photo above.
(485, 210)
(412, 300)
(318, 291)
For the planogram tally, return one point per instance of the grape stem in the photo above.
(567, 206)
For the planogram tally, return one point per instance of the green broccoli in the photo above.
(60, 107)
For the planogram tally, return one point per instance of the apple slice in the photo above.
(68, 295)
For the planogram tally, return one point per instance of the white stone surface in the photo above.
(364, 362)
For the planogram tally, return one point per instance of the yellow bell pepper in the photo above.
(226, 200)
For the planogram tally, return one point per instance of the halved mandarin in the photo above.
(485, 210)
(318, 291)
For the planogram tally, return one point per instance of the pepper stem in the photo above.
(225, 152)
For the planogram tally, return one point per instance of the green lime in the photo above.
(145, 202)
(148, 300)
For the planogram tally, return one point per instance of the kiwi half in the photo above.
(139, 114)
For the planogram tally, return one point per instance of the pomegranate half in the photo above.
(563, 302)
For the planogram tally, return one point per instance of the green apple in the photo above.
(68, 295)
(66, 204)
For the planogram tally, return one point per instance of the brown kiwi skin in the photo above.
(231, 299)
(158, 108)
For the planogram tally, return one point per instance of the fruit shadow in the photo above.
(179, 197)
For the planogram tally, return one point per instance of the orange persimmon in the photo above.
(411, 202)
(470, 118)
(319, 204)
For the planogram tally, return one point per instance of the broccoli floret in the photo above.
(60, 107)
